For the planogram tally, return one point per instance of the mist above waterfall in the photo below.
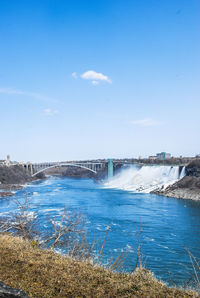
(146, 178)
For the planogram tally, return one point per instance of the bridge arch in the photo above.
(62, 165)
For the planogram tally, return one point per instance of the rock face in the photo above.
(14, 175)
(193, 168)
(8, 292)
(186, 188)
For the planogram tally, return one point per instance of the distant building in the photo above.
(163, 156)
(6, 162)
(153, 157)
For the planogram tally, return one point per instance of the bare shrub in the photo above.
(22, 222)
(139, 259)
(194, 280)
(64, 229)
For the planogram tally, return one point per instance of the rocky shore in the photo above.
(186, 188)
(12, 178)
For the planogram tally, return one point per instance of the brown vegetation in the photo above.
(43, 273)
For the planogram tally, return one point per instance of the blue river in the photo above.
(169, 226)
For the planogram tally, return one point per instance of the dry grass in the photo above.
(43, 273)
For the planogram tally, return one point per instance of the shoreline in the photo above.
(14, 178)
(9, 190)
(179, 194)
(187, 188)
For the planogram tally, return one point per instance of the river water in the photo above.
(168, 225)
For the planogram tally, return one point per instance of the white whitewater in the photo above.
(146, 178)
(182, 174)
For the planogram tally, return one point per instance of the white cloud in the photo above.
(12, 91)
(146, 122)
(95, 77)
(50, 112)
(74, 75)
(95, 82)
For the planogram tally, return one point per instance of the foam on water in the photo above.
(146, 178)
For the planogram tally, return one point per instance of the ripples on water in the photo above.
(169, 225)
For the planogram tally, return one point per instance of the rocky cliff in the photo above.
(193, 168)
(188, 187)
(12, 177)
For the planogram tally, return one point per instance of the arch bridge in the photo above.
(36, 168)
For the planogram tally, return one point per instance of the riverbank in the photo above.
(13, 178)
(43, 273)
(186, 188)
(8, 190)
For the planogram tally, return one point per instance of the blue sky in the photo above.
(84, 79)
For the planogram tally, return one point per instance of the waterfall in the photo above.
(182, 174)
(146, 178)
